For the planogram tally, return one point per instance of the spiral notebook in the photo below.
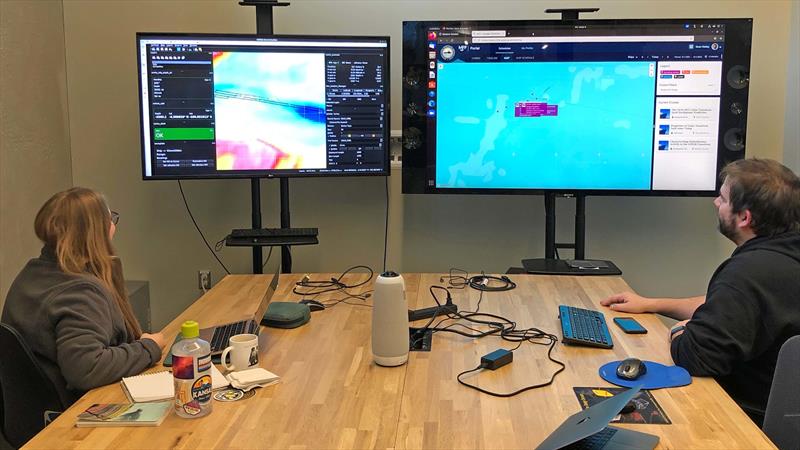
(156, 386)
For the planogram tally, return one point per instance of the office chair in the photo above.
(782, 417)
(3, 440)
(29, 397)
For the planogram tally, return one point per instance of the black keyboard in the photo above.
(584, 327)
(594, 442)
(273, 232)
(223, 333)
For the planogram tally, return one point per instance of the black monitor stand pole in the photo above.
(550, 264)
(264, 26)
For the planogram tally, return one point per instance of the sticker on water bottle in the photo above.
(204, 363)
(201, 389)
(183, 367)
(192, 408)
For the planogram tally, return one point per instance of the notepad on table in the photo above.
(156, 386)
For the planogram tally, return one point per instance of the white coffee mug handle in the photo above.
(222, 359)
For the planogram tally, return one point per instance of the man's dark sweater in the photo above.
(752, 307)
(74, 328)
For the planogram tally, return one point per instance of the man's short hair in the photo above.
(767, 188)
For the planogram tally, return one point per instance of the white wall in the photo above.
(665, 246)
(34, 140)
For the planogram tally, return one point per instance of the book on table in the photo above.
(124, 414)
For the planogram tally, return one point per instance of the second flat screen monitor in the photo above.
(227, 106)
(604, 107)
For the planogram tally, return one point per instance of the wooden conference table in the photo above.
(332, 395)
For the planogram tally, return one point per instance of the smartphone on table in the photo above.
(630, 325)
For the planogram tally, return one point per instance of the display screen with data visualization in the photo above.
(223, 106)
(600, 106)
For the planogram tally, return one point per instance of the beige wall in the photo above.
(34, 138)
(791, 141)
(664, 245)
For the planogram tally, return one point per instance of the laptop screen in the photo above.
(262, 307)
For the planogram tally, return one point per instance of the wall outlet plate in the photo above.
(204, 279)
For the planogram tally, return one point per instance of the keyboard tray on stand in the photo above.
(270, 237)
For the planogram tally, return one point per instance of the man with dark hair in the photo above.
(752, 305)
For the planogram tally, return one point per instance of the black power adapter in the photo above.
(496, 359)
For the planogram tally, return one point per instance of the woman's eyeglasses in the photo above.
(114, 217)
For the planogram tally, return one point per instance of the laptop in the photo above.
(218, 336)
(589, 429)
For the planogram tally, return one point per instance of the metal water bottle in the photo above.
(390, 320)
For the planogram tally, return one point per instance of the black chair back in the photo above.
(3, 440)
(29, 397)
(782, 417)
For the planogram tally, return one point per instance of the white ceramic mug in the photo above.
(243, 349)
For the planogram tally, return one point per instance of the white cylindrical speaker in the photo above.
(389, 320)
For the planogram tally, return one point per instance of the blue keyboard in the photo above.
(584, 327)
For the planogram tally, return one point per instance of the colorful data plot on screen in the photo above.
(270, 110)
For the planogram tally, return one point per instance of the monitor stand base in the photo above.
(545, 266)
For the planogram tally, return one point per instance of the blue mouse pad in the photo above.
(658, 376)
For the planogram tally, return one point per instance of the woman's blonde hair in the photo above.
(75, 224)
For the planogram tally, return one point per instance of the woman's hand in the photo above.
(158, 338)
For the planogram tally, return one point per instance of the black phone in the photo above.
(630, 325)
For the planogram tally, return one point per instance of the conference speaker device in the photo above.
(390, 320)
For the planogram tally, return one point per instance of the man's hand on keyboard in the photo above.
(628, 302)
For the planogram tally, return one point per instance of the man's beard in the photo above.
(728, 229)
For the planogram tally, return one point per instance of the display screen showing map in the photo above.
(632, 107)
(574, 125)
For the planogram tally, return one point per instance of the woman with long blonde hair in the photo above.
(70, 304)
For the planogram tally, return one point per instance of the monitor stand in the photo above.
(264, 26)
(550, 265)
(546, 266)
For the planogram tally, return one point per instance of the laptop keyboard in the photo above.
(593, 442)
(222, 334)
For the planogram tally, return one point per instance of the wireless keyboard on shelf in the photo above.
(584, 327)
(273, 232)
(265, 237)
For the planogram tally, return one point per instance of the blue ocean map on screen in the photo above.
(544, 125)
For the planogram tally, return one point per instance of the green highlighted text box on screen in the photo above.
(183, 134)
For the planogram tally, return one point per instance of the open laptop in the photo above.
(589, 429)
(218, 336)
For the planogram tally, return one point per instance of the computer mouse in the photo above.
(313, 305)
(631, 369)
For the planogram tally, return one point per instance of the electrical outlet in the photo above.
(204, 279)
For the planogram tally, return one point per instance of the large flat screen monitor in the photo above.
(232, 106)
(622, 107)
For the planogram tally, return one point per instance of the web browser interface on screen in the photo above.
(628, 108)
